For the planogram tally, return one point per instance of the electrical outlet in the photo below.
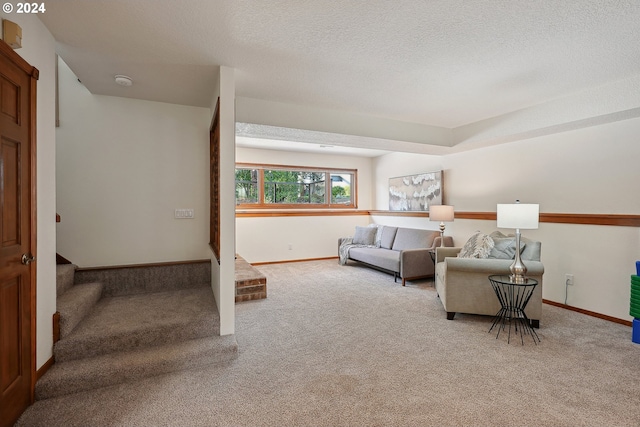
(568, 279)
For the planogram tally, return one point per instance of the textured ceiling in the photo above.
(444, 63)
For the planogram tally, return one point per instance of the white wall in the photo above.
(267, 239)
(124, 166)
(38, 48)
(591, 170)
(401, 164)
(223, 270)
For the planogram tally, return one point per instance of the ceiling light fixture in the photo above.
(123, 80)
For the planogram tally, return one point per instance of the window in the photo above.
(246, 186)
(341, 188)
(268, 186)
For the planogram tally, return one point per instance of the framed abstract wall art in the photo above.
(415, 192)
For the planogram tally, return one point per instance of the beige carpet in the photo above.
(344, 345)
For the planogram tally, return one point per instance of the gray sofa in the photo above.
(398, 250)
(463, 285)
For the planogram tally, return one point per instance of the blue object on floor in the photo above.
(635, 334)
(638, 268)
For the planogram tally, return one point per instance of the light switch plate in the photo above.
(183, 214)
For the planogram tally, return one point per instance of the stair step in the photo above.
(115, 368)
(250, 293)
(251, 284)
(130, 280)
(75, 304)
(65, 274)
(143, 320)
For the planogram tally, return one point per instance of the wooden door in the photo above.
(17, 234)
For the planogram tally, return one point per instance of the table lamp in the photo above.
(442, 213)
(519, 216)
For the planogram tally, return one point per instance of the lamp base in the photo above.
(517, 268)
(518, 279)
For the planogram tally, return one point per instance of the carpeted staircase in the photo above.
(129, 325)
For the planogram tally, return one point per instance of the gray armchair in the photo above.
(463, 285)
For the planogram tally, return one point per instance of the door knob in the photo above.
(27, 259)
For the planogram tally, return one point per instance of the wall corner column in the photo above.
(227, 200)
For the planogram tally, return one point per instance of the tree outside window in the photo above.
(246, 186)
(293, 187)
(264, 186)
(341, 188)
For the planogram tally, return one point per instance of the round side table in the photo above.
(513, 298)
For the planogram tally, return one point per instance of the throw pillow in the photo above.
(378, 238)
(388, 236)
(498, 235)
(505, 248)
(365, 235)
(478, 246)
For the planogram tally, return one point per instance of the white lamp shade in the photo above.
(443, 213)
(518, 215)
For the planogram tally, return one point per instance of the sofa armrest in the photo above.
(442, 253)
(415, 263)
(490, 265)
(448, 242)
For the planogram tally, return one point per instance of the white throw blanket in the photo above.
(347, 243)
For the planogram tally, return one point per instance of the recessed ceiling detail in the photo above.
(447, 64)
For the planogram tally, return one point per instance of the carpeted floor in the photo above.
(344, 345)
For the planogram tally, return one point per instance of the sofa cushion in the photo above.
(413, 238)
(364, 236)
(479, 245)
(383, 258)
(388, 235)
(531, 252)
(504, 247)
